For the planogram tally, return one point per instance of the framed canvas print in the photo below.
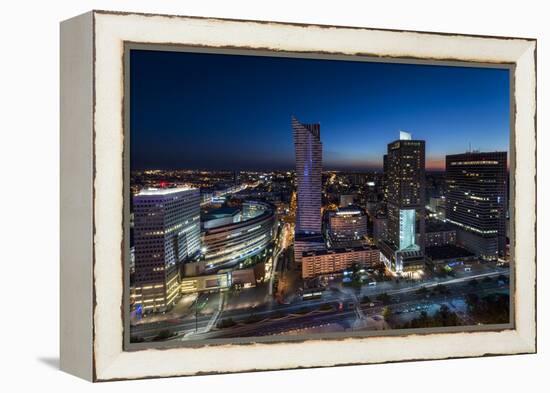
(245, 195)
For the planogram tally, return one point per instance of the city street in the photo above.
(254, 313)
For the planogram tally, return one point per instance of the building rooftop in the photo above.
(309, 237)
(447, 252)
(222, 212)
(438, 226)
(162, 191)
(342, 250)
(349, 210)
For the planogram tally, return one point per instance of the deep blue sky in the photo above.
(209, 111)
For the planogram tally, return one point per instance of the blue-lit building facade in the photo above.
(308, 153)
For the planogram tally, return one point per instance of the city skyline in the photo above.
(203, 114)
(230, 250)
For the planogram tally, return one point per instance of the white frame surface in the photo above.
(100, 89)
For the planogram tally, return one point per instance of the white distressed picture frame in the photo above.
(92, 162)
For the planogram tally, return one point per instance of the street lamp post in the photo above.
(197, 314)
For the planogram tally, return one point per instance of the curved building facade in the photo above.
(228, 244)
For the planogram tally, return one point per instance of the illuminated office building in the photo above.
(379, 228)
(166, 233)
(308, 151)
(385, 178)
(347, 225)
(403, 248)
(476, 201)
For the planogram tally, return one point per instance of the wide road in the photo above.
(284, 244)
(346, 317)
(188, 324)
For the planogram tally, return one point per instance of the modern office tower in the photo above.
(406, 177)
(166, 234)
(379, 228)
(347, 226)
(308, 150)
(476, 201)
(385, 178)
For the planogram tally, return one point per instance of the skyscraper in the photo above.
(385, 178)
(308, 151)
(406, 178)
(166, 233)
(476, 201)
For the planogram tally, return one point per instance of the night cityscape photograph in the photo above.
(288, 197)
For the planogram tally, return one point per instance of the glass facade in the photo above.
(407, 229)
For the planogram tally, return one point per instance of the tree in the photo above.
(163, 335)
(225, 323)
(473, 283)
(384, 298)
(422, 291)
(252, 318)
(365, 299)
(445, 317)
(387, 313)
(303, 310)
(471, 300)
(491, 309)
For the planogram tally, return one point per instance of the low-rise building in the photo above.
(439, 233)
(331, 261)
(220, 281)
(304, 243)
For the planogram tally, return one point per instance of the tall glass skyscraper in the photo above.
(309, 161)
(166, 234)
(308, 151)
(405, 174)
(476, 198)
